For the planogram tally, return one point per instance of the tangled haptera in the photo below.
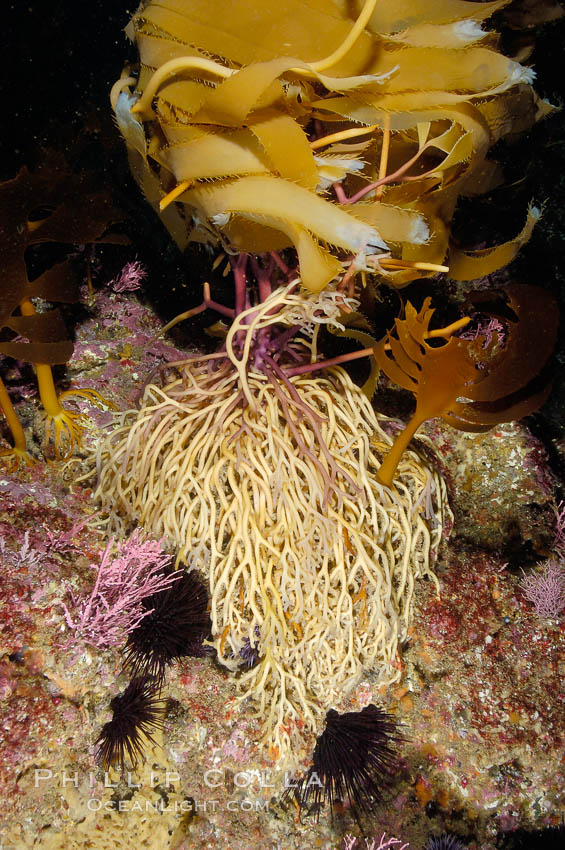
(267, 483)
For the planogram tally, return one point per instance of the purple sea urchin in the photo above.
(137, 714)
(352, 758)
(177, 624)
(444, 842)
(248, 653)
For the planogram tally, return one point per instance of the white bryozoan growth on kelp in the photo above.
(268, 485)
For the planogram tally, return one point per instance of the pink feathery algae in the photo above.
(63, 542)
(559, 538)
(25, 560)
(350, 843)
(127, 574)
(485, 327)
(546, 590)
(130, 278)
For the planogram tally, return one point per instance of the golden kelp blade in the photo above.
(391, 17)
(289, 208)
(470, 265)
(436, 375)
(75, 211)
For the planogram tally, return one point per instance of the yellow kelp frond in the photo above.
(212, 156)
(271, 198)
(333, 167)
(280, 204)
(458, 34)
(246, 33)
(239, 91)
(230, 91)
(470, 265)
(389, 18)
(474, 71)
(280, 133)
(513, 112)
(394, 223)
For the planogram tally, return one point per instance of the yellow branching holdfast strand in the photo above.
(357, 114)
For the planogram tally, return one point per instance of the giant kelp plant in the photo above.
(322, 151)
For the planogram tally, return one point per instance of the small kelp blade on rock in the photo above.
(498, 384)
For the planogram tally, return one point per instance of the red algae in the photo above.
(27, 715)
(488, 694)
